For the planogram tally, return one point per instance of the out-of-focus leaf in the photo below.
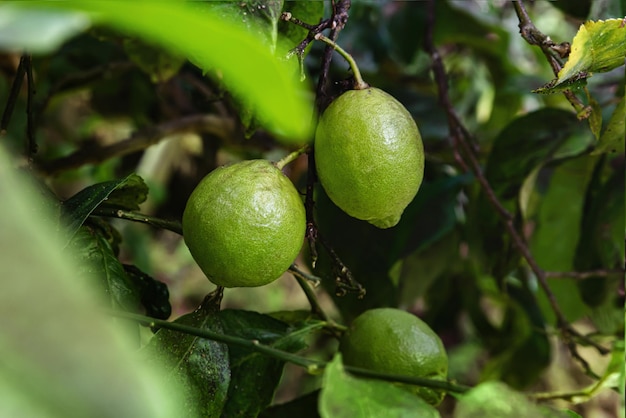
(200, 367)
(612, 139)
(157, 63)
(153, 294)
(302, 407)
(272, 89)
(495, 399)
(597, 47)
(126, 193)
(344, 396)
(37, 31)
(578, 9)
(526, 143)
(256, 376)
(60, 356)
(92, 248)
(558, 212)
(601, 243)
(522, 350)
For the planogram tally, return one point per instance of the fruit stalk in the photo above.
(359, 84)
(291, 157)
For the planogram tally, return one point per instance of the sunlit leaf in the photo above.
(598, 46)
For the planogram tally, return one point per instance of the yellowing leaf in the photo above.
(597, 47)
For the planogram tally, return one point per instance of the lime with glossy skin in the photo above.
(393, 341)
(369, 156)
(244, 224)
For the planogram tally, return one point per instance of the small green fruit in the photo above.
(369, 156)
(393, 341)
(244, 224)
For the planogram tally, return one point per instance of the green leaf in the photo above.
(612, 139)
(344, 396)
(495, 399)
(153, 294)
(521, 351)
(272, 89)
(92, 248)
(200, 367)
(601, 243)
(126, 193)
(61, 357)
(526, 143)
(597, 47)
(256, 376)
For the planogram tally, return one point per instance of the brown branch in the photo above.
(462, 140)
(582, 275)
(13, 94)
(535, 37)
(94, 154)
(31, 147)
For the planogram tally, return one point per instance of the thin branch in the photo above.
(31, 148)
(13, 94)
(170, 225)
(582, 275)
(312, 366)
(461, 139)
(94, 153)
(535, 37)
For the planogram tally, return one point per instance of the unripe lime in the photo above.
(369, 156)
(244, 224)
(393, 341)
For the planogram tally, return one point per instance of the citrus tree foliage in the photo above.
(511, 252)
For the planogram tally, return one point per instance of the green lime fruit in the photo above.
(393, 341)
(369, 156)
(244, 224)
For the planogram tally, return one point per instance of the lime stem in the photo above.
(359, 84)
(291, 157)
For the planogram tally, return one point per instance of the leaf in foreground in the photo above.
(346, 396)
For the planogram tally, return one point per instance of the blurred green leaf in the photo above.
(526, 143)
(198, 366)
(522, 350)
(126, 193)
(495, 399)
(255, 376)
(601, 243)
(578, 9)
(60, 356)
(344, 396)
(612, 139)
(272, 88)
